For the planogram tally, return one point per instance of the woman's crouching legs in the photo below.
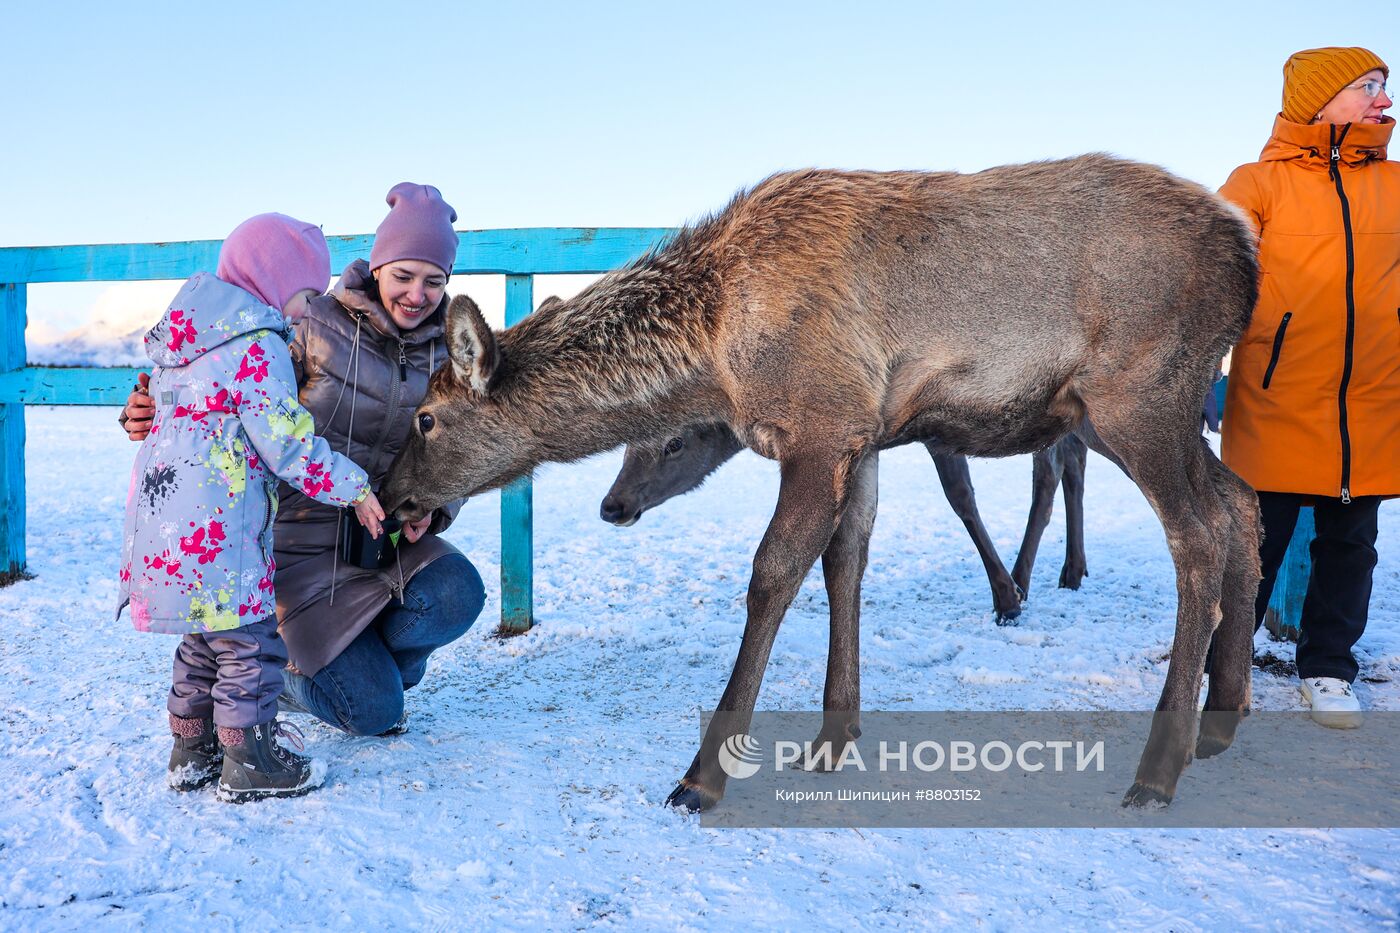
(360, 691)
(439, 604)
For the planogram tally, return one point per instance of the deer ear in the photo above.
(476, 360)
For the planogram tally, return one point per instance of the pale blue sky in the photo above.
(160, 121)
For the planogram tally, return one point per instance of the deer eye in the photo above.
(674, 446)
(425, 423)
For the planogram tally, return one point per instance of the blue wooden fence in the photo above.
(518, 254)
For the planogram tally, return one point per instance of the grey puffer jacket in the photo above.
(361, 378)
(196, 555)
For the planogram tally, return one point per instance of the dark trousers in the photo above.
(1339, 587)
(234, 675)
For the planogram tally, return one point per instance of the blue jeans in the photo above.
(361, 690)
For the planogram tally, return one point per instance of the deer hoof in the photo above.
(1217, 732)
(1143, 797)
(1008, 608)
(691, 797)
(1208, 746)
(829, 747)
(1072, 577)
(1006, 617)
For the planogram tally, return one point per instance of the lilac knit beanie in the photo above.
(274, 256)
(419, 226)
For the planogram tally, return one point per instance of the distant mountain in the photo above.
(95, 344)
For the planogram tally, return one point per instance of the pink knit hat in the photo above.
(274, 256)
(419, 226)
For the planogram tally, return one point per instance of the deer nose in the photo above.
(611, 510)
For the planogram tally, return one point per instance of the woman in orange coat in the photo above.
(1312, 415)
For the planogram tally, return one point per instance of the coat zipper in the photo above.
(1334, 169)
(267, 511)
(263, 540)
(1278, 348)
(394, 390)
(392, 404)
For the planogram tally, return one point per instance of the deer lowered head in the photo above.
(462, 440)
(626, 360)
(665, 468)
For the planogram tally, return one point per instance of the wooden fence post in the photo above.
(517, 505)
(12, 320)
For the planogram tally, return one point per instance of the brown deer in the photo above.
(825, 316)
(671, 466)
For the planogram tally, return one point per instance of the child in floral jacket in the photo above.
(197, 549)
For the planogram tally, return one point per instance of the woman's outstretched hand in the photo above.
(415, 530)
(370, 513)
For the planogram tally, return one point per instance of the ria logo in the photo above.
(740, 756)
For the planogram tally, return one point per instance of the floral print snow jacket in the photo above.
(197, 548)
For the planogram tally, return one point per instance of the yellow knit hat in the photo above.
(1313, 77)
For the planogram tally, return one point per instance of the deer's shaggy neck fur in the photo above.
(655, 315)
(633, 355)
(627, 358)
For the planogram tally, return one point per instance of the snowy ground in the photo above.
(529, 792)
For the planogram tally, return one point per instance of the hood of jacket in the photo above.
(355, 291)
(1310, 143)
(207, 313)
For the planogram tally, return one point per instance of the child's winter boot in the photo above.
(256, 765)
(196, 758)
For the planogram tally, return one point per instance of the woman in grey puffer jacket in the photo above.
(362, 354)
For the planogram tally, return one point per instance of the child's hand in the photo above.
(140, 408)
(370, 513)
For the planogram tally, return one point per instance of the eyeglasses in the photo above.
(1371, 87)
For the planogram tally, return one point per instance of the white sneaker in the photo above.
(1332, 701)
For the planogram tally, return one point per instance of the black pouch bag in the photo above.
(358, 549)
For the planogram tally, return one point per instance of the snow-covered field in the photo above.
(529, 792)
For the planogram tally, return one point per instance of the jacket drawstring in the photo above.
(398, 562)
(349, 434)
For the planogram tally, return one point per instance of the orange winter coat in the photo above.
(1313, 404)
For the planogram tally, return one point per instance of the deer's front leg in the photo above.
(801, 529)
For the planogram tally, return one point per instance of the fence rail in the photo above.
(518, 254)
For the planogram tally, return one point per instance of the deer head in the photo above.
(665, 468)
(466, 437)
